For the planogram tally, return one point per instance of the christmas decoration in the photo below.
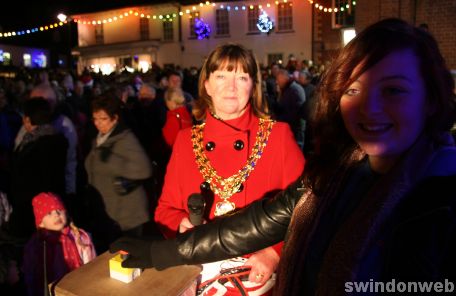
(202, 30)
(86, 20)
(264, 23)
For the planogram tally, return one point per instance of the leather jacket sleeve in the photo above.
(260, 225)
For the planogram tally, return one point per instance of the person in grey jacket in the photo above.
(116, 165)
(375, 205)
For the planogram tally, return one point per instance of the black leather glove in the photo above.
(159, 254)
(138, 252)
(105, 153)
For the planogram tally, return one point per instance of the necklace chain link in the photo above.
(226, 187)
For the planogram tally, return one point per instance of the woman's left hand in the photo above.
(263, 263)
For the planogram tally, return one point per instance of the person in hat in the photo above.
(57, 246)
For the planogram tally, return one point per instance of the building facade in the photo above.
(134, 38)
(12, 55)
(137, 37)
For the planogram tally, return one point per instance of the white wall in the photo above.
(192, 52)
(297, 42)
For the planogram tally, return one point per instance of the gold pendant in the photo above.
(223, 207)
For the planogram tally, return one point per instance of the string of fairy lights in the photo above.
(190, 12)
(32, 30)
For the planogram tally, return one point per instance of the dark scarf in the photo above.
(357, 235)
(38, 132)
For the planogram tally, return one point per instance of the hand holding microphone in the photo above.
(196, 205)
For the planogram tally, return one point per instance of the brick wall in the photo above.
(439, 15)
(326, 39)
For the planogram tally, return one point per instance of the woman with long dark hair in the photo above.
(376, 202)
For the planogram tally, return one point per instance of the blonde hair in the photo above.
(175, 95)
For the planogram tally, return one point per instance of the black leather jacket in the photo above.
(420, 246)
(262, 224)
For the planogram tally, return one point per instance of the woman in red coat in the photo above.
(238, 155)
(177, 116)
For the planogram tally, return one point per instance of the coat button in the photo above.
(210, 146)
(204, 187)
(241, 188)
(238, 145)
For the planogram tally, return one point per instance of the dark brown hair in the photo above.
(38, 110)
(365, 50)
(108, 102)
(230, 57)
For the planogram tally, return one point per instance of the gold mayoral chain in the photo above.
(225, 188)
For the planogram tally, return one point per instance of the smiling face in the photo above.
(55, 220)
(230, 92)
(384, 109)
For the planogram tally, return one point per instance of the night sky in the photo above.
(21, 15)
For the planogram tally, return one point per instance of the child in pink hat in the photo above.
(67, 247)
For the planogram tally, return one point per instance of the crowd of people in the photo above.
(311, 179)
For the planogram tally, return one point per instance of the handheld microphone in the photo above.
(196, 204)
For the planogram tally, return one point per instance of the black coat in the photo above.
(420, 245)
(38, 167)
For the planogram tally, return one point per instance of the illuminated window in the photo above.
(6, 58)
(222, 22)
(40, 61)
(168, 31)
(285, 17)
(27, 60)
(99, 35)
(44, 59)
(144, 28)
(193, 15)
(1, 56)
(252, 18)
(143, 66)
(347, 35)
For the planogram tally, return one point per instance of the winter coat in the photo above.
(280, 164)
(38, 166)
(121, 155)
(404, 229)
(64, 125)
(176, 120)
(59, 258)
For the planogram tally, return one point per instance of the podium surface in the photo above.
(93, 279)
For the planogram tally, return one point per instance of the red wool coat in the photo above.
(176, 120)
(281, 163)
